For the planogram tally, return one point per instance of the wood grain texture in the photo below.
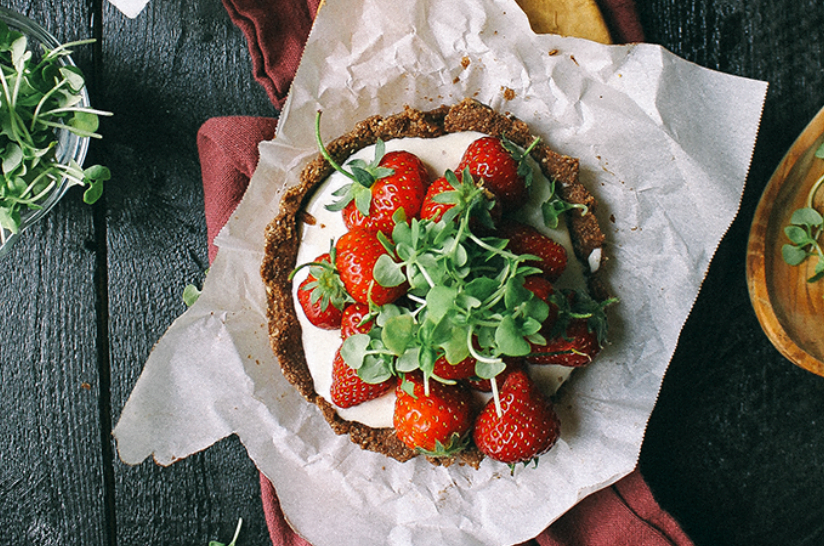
(51, 471)
(164, 74)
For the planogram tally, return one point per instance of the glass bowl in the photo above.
(69, 145)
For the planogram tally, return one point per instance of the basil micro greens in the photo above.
(804, 232)
(38, 98)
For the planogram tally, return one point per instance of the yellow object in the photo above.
(579, 18)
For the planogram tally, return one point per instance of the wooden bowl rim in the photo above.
(757, 282)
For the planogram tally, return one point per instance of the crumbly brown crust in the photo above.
(283, 236)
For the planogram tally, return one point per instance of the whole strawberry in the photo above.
(525, 239)
(322, 295)
(448, 197)
(575, 347)
(485, 385)
(527, 427)
(352, 320)
(404, 188)
(433, 207)
(377, 190)
(357, 252)
(502, 167)
(436, 424)
(350, 390)
(460, 370)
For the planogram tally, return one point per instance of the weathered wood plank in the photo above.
(51, 471)
(164, 74)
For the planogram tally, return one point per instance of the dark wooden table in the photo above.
(734, 448)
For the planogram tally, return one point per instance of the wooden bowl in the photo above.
(790, 310)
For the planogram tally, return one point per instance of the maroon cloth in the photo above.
(625, 514)
(622, 20)
(228, 149)
(283, 24)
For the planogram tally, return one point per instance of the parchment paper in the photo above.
(130, 8)
(665, 147)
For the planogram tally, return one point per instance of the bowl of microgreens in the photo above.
(46, 123)
(785, 252)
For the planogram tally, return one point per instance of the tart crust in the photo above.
(283, 239)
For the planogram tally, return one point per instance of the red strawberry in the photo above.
(404, 188)
(543, 289)
(527, 427)
(378, 189)
(352, 320)
(357, 252)
(322, 295)
(525, 239)
(460, 370)
(436, 424)
(577, 346)
(432, 209)
(447, 193)
(485, 385)
(350, 390)
(502, 167)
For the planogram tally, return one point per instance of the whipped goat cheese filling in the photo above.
(438, 154)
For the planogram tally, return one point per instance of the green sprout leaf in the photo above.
(39, 96)
(234, 538)
(804, 231)
(190, 294)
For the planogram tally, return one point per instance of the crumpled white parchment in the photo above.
(130, 8)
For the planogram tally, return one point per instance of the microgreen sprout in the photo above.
(234, 538)
(40, 96)
(804, 231)
(191, 293)
(466, 298)
(361, 174)
(466, 295)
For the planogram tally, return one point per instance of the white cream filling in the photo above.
(438, 154)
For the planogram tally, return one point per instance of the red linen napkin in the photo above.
(625, 514)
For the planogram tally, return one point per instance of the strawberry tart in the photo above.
(432, 280)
